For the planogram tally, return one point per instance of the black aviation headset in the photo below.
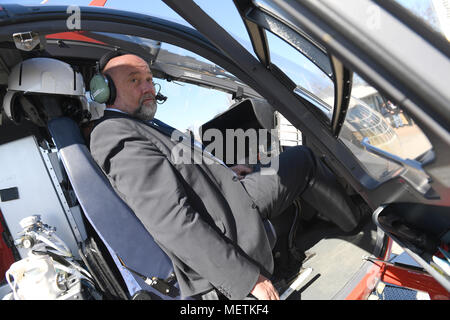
(102, 87)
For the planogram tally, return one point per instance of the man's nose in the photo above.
(148, 87)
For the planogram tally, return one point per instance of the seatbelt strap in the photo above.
(163, 286)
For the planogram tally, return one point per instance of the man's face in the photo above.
(134, 85)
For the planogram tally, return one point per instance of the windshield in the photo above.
(197, 89)
(224, 12)
(189, 106)
(179, 63)
(387, 127)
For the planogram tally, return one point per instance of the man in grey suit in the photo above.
(207, 217)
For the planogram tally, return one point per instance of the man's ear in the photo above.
(99, 88)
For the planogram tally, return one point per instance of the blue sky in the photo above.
(222, 11)
(187, 105)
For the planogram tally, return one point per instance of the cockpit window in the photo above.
(312, 83)
(185, 107)
(223, 12)
(386, 126)
(196, 89)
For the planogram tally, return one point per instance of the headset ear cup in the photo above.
(99, 87)
(106, 82)
(112, 90)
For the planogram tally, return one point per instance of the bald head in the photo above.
(135, 93)
(122, 62)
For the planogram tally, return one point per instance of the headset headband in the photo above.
(107, 57)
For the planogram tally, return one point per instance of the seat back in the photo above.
(115, 223)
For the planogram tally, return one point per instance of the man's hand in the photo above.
(264, 290)
(241, 170)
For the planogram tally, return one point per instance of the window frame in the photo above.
(262, 18)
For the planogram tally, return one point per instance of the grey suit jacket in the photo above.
(200, 214)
